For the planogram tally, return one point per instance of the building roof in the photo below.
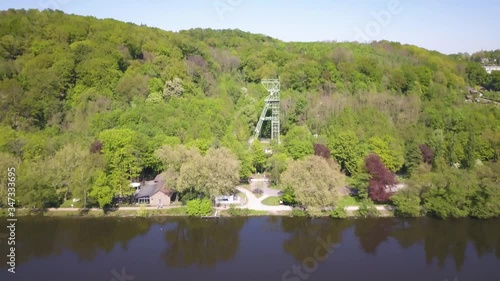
(151, 188)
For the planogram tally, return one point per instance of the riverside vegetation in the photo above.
(88, 105)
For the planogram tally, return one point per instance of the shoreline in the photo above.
(171, 211)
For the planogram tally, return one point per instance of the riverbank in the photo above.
(175, 211)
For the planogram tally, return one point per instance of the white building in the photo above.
(490, 68)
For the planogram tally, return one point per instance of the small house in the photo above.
(154, 193)
(227, 199)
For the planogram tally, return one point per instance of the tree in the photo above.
(214, 174)
(102, 191)
(476, 74)
(389, 151)
(322, 150)
(413, 156)
(381, 179)
(173, 88)
(298, 142)
(258, 156)
(407, 203)
(346, 149)
(315, 181)
(275, 165)
(173, 158)
(427, 154)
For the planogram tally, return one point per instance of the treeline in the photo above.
(87, 105)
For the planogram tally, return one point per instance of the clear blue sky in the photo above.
(448, 26)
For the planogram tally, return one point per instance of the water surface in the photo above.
(263, 248)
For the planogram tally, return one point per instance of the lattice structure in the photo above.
(273, 103)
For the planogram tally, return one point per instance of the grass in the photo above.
(348, 201)
(67, 204)
(243, 197)
(271, 201)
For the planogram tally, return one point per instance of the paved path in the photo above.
(255, 203)
(118, 209)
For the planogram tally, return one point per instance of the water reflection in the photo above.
(304, 234)
(205, 243)
(202, 242)
(40, 237)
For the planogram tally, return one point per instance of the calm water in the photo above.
(264, 248)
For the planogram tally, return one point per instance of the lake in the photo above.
(256, 248)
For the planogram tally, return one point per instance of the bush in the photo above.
(298, 213)
(236, 212)
(367, 209)
(199, 207)
(142, 212)
(407, 204)
(338, 213)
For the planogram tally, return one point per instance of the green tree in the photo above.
(298, 142)
(258, 156)
(315, 181)
(216, 173)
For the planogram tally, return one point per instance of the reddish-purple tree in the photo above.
(322, 151)
(427, 153)
(381, 179)
(96, 147)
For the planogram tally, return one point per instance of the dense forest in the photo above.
(88, 105)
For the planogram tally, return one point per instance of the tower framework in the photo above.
(272, 102)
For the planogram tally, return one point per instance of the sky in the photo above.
(447, 26)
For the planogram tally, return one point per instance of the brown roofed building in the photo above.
(154, 193)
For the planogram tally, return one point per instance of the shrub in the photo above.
(142, 212)
(236, 212)
(367, 209)
(298, 213)
(407, 204)
(199, 207)
(338, 213)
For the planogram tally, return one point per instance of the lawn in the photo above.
(67, 204)
(271, 201)
(348, 201)
(243, 198)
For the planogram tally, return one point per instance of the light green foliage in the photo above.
(216, 173)
(258, 156)
(199, 207)
(276, 165)
(137, 87)
(7, 162)
(346, 149)
(389, 150)
(102, 191)
(288, 196)
(298, 142)
(315, 181)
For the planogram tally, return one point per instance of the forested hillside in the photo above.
(86, 105)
